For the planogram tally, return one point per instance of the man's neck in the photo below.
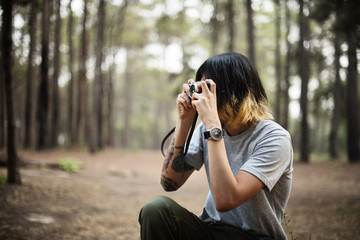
(237, 131)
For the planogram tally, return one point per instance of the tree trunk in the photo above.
(335, 120)
(96, 139)
(287, 69)
(110, 102)
(214, 23)
(110, 86)
(277, 63)
(352, 99)
(230, 10)
(28, 128)
(71, 80)
(250, 28)
(304, 74)
(128, 101)
(82, 91)
(43, 98)
(55, 85)
(2, 105)
(13, 176)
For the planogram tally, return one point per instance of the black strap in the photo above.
(187, 140)
(165, 138)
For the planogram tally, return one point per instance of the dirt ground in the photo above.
(103, 199)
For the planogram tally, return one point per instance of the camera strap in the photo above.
(187, 140)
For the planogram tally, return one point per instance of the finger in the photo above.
(190, 81)
(212, 85)
(185, 88)
(193, 104)
(185, 101)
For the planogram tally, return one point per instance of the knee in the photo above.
(154, 209)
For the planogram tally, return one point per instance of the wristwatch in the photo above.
(214, 133)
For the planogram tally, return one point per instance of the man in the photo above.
(248, 159)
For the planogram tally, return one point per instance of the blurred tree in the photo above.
(230, 16)
(43, 95)
(352, 100)
(128, 90)
(345, 29)
(28, 126)
(130, 64)
(114, 37)
(251, 30)
(54, 130)
(13, 176)
(335, 119)
(304, 71)
(278, 76)
(2, 102)
(285, 111)
(96, 120)
(81, 123)
(70, 112)
(215, 27)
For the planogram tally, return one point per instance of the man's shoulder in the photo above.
(265, 127)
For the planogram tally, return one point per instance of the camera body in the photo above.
(195, 88)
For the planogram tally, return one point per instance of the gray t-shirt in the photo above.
(265, 151)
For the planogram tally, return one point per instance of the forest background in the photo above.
(95, 74)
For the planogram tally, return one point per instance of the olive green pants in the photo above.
(161, 218)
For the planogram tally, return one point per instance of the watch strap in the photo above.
(207, 134)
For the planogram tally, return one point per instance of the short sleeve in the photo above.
(195, 154)
(270, 158)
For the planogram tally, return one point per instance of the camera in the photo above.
(195, 88)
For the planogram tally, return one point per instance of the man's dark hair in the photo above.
(238, 88)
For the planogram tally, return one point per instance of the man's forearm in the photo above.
(174, 167)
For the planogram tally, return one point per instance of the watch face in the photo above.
(216, 133)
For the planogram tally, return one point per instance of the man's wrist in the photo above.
(215, 133)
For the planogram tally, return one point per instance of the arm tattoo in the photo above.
(168, 156)
(178, 163)
(168, 184)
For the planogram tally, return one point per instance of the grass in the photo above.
(69, 164)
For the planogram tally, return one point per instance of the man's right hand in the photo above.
(185, 110)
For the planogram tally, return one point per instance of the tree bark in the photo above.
(214, 23)
(96, 139)
(43, 97)
(2, 104)
(110, 106)
(250, 35)
(335, 120)
(28, 126)
(13, 176)
(277, 62)
(304, 75)
(55, 85)
(287, 69)
(128, 101)
(230, 10)
(119, 30)
(82, 88)
(70, 122)
(352, 99)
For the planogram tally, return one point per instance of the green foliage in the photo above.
(69, 164)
